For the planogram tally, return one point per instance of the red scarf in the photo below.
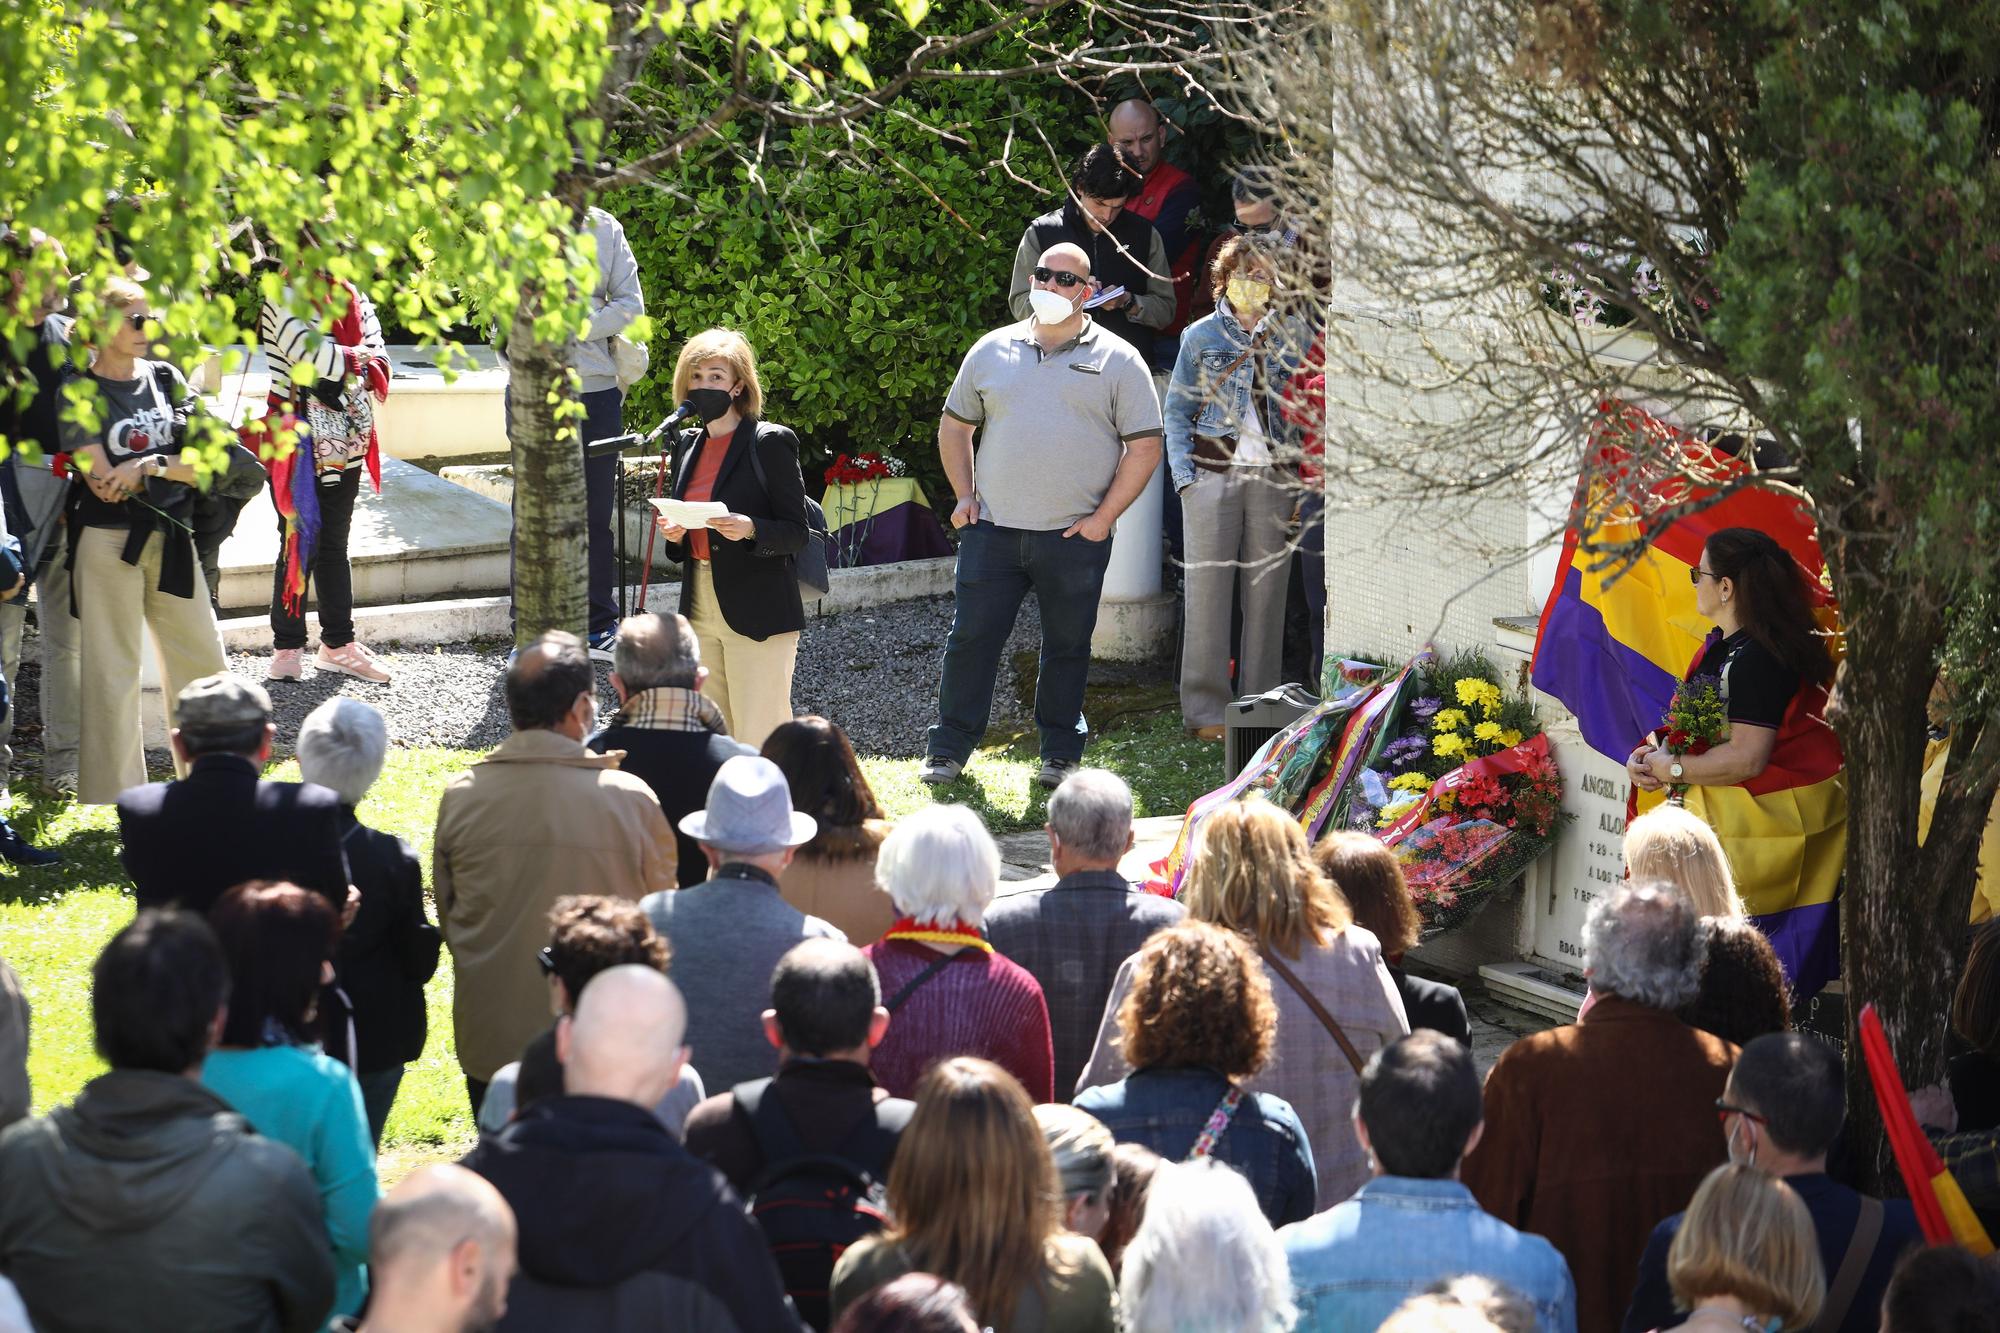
(958, 932)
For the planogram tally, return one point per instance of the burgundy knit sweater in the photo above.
(979, 1004)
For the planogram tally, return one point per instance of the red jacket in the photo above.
(1166, 197)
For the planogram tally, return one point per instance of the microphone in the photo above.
(680, 414)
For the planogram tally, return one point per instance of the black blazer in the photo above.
(754, 580)
(191, 841)
(390, 950)
(1433, 1005)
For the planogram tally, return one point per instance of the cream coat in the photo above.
(538, 818)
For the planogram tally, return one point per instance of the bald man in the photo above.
(440, 1255)
(1069, 435)
(620, 1228)
(673, 736)
(535, 819)
(1167, 197)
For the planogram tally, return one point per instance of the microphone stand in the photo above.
(617, 446)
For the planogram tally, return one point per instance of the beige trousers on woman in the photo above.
(750, 681)
(1235, 543)
(116, 604)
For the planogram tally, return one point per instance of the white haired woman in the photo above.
(951, 994)
(391, 949)
(1205, 1258)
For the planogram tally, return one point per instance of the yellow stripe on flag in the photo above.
(1650, 608)
(1786, 848)
(1965, 1225)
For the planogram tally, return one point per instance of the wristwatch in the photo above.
(1675, 771)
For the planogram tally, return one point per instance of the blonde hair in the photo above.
(1748, 1235)
(722, 345)
(118, 293)
(1672, 845)
(973, 1189)
(1253, 873)
(1081, 1147)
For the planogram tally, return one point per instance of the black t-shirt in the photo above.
(1756, 687)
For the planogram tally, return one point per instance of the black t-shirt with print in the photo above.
(137, 417)
(1756, 687)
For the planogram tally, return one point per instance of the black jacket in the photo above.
(621, 1229)
(149, 1203)
(1433, 1005)
(754, 580)
(678, 766)
(193, 840)
(1116, 260)
(389, 951)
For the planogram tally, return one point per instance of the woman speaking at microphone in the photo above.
(738, 588)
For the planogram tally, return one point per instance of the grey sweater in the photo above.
(727, 936)
(614, 303)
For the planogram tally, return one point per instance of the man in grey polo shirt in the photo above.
(1069, 428)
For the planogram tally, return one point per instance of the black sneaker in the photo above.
(17, 850)
(600, 644)
(1054, 771)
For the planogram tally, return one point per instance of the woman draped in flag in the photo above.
(1762, 788)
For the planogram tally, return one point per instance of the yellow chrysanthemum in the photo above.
(1393, 812)
(1410, 782)
(1449, 719)
(1487, 731)
(1510, 738)
(1448, 802)
(1448, 745)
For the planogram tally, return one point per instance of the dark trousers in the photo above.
(475, 1092)
(1312, 574)
(997, 568)
(603, 417)
(378, 1095)
(329, 578)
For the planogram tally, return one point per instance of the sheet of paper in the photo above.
(689, 513)
(1108, 294)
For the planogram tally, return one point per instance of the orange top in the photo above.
(701, 486)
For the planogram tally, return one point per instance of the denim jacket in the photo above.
(1356, 1262)
(1166, 1110)
(1197, 404)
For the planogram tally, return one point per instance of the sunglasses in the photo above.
(139, 321)
(545, 959)
(1058, 277)
(1697, 574)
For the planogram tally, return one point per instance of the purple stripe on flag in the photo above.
(908, 531)
(1616, 693)
(1807, 942)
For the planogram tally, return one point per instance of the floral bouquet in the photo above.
(852, 515)
(853, 469)
(1696, 721)
(1467, 791)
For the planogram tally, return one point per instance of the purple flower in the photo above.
(1399, 754)
(1426, 707)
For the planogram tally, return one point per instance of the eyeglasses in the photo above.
(1697, 574)
(1058, 277)
(546, 960)
(1269, 233)
(1723, 1110)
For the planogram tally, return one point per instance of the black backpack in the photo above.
(812, 1206)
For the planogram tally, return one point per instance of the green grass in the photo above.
(54, 922)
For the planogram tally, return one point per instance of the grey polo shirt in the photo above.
(1053, 426)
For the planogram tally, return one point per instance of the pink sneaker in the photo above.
(287, 664)
(354, 660)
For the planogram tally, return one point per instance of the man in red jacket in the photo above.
(1167, 195)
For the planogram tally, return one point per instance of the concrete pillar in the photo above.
(1135, 619)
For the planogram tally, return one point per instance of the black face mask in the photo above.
(713, 404)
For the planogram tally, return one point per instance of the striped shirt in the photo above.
(289, 341)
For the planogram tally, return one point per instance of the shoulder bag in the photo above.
(810, 563)
(1333, 1029)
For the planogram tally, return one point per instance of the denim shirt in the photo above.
(1166, 1110)
(1356, 1262)
(1199, 402)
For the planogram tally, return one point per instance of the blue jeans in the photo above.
(997, 567)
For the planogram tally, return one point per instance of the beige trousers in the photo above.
(750, 682)
(116, 604)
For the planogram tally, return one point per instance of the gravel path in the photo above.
(873, 670)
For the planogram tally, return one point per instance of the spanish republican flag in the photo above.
(1613, 645)
(1941, 1207)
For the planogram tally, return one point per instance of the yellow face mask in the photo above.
(1247, 296)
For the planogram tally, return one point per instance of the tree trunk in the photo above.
(551, 566)
(1903, 920)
